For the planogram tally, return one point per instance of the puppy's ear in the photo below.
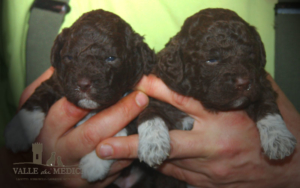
(262, 52)
(170, 65)
(56, 48)
(145, 55)
(142, 56)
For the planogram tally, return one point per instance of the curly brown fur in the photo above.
(97, 60)
(99, 57)
(218, 59)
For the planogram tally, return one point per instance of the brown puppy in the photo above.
(97, 60)
(218, 59)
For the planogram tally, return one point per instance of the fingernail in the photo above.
(105, 151)
(141, 99)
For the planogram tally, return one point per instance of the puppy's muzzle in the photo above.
(242, 83)
(84, 84)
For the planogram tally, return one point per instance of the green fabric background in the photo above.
(157, 20)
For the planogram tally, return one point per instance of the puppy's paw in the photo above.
(23, 129)
(276, 140)
(93, 168)
(154, 141)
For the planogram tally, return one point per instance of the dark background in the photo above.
(287, 53)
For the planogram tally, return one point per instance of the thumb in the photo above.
(118, 147)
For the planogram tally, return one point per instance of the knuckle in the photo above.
(220, 173)
(228, 148)
(179, 174)
(50, 122)
(180, 99)
(152, 84)
(127, 149)
(69, 143)
(89, 136)
(131, 151)
(125, 110)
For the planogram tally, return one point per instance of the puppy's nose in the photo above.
(84, 84)
(242, 83)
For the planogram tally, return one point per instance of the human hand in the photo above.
(222, 150)
(58, 134)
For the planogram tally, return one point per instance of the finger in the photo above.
(61, 117)
(154, 87)
(226, 132)
(187, 144)
(222, 133)
(118, 147)
(107, 123)
(28, 91)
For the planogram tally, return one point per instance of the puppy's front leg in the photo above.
(154, 141)
(93, 168)
(154, 124)
(23, 129)
(276, 140)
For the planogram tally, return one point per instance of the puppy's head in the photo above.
(98, 59)
(216, 58)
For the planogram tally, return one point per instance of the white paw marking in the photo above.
(276, 140)
(154, 141)
(187, 123)
(128, 181)
(87, 103)
(23, 129)
(93, 168)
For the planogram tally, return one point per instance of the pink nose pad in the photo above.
(242, 83)
(84, 84)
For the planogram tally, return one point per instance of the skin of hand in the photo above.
(222, 150)
(58, 134)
